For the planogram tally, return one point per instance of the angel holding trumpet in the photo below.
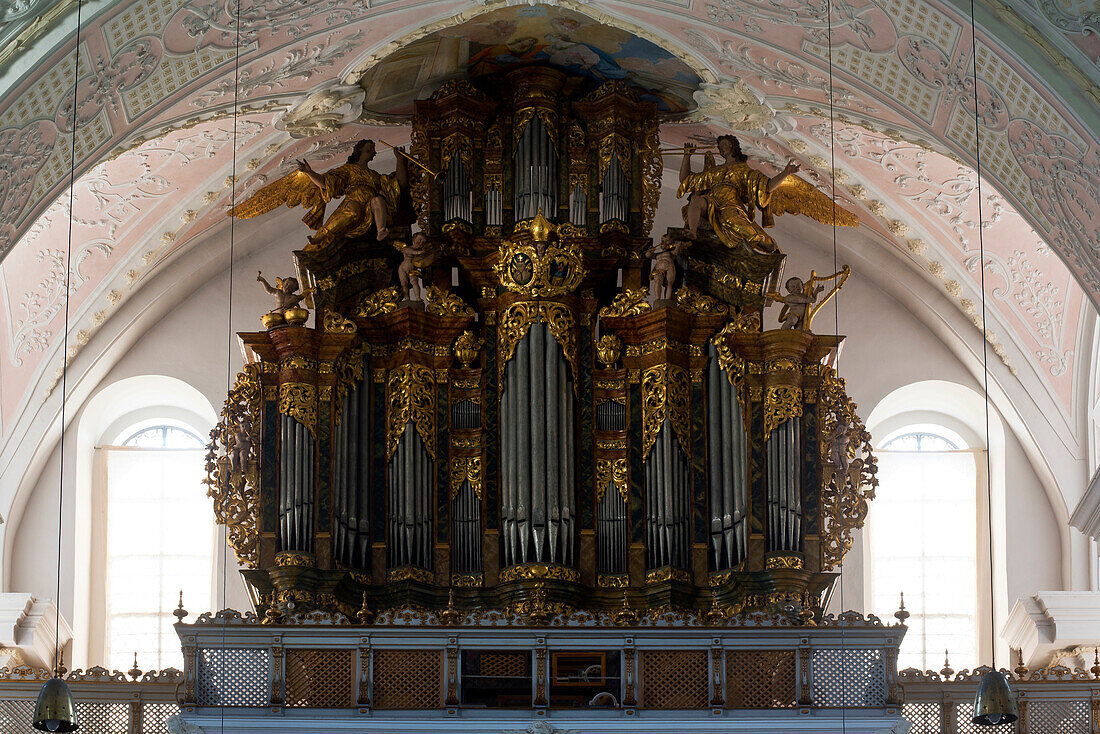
(730, 193)
(369, 201)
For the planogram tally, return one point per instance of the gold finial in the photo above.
(946, 670)
(135, 671)
(901, 615)
(1021, 669)
(539, 610)
(1095, 669)
(714, 615)
(365, 615)
(180, 612)
(450, 615)
(608, 349)
(541, 227)
(467, 347)
(626, 616)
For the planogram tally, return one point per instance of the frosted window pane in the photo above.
(160, 539)
(923, 536)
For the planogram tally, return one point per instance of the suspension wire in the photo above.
(229, 337)
(840, 481)
(65, 347)
(985, 331)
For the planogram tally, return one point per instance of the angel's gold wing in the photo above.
(294, 189)
(798, 196)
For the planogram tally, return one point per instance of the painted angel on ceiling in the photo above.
(730, 193)
(370, 198)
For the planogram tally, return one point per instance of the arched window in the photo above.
(923, 542)
(159, 540)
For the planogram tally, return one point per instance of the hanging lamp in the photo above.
(994, 702)
(54, 710)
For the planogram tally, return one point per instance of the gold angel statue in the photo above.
(729, 195)
(370, 198)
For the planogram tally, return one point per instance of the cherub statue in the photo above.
(370, 198)
(420, 253)
(730, 193)
(242, 444)
(662, 274)
(285, 292)
(799, 307)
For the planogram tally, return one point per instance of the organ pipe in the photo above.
(784, 487)
(457, 194)
(668, 502)
(612, 531)
(466, 530)
(535, 172)
(537, 452)
(614, 192)
(295, 486)
(727, 480)
(351, 480)
(410, 512)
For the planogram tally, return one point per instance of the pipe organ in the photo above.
(538, 434)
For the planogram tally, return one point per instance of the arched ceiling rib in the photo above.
(153, 66)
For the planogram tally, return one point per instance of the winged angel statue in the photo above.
(729, 195)
(370, 198)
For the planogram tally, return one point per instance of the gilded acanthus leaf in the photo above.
(410, 396)
(666, 393)
(628, 303)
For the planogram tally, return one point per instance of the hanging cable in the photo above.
(229, 335)
(840, 481)
(65, 342)
(984, 327)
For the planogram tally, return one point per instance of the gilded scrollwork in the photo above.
(781, 403)
(693, 301)
(849, 475)
(652, 172)
(234, 492)
(611, 471)
(380, 302)
(465, 468)
(516, 321)
(666, 393)
(410, 396)
(299, 401)
(630, 302)
(443, 303)
(540, 270)
(337, 324)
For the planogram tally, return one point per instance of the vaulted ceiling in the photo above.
(156, 132)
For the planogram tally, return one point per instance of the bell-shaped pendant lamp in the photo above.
(55, 710)
(994, 703)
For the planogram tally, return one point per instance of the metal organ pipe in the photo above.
(457, 194)
(784, 487)
(295, 486)
(668, 504)
(534, 172)
(614, 192)
(611, 528)
(410, 516)
(727, 480)
(466, 528)
(537, 452)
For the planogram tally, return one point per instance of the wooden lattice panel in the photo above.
(848, 678)
(408, 679)
(505, 664)
(234, 677)
(760, 679)
(964, 724)
(319, 678)
(1057, 717)
(926, 718)
(103, 718)
(15, 716)
(674, 679)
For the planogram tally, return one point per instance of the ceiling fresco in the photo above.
(506, 39)
(157, 88)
